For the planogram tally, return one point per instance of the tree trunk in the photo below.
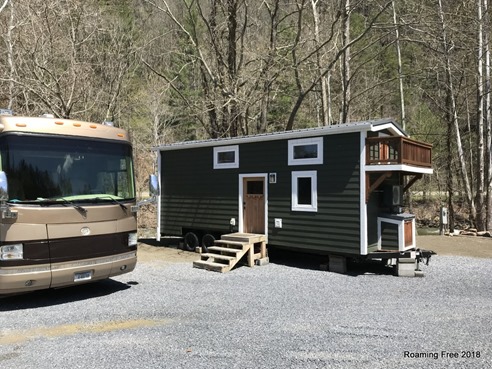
(408, 194)
(452, 115)
(479, 197)
(345, 63)
(233, 110)
(449, 166)
(10, 56)
(327, 79)
(400, 68)
(487, 107)
(324, 96)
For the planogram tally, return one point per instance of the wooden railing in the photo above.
(397, 150)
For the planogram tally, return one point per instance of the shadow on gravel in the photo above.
(60, 296)
(316, 262)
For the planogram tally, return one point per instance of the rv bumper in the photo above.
(21, 279)
(80, 271)
(24, 278)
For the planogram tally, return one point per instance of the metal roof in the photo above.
(369, 125)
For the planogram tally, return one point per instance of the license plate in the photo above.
(82, 276)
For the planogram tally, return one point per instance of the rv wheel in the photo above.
(190, 241)
(207, 241)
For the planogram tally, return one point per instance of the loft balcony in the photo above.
(399, 153)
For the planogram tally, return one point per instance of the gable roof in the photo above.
(370, 125)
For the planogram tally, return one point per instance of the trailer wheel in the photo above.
(190, 241)
(207, 241)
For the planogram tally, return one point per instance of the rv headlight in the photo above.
(12, 252)
(132, 239)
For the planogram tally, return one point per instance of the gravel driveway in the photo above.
(282, 315)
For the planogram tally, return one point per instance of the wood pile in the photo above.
(471, 232)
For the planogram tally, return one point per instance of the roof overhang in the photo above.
(389, 125)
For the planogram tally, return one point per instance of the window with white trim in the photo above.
(306, 151)
(304, 191)
(226, 157)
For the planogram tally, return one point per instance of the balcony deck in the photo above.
(398, 151)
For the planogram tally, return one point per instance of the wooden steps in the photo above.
(218, 257)
(210, 265)
(223, 249)
(230, 249)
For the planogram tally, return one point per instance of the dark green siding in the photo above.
(196, 195)
(389, 236)
(335, 227)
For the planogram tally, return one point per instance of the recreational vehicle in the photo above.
(335, 190)
(67, 190)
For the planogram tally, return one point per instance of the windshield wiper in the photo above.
(111, 198)
(57, 200)
(79, 208)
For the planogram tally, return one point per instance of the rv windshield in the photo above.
(51, 169)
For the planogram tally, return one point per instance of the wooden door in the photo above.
(254, 205)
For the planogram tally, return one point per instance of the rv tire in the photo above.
(191, 241)
(207, 241)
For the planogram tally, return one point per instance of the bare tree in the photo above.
(305, 88)
(453, 121)
(488, 115)
(4, 5)
(234, 66)
(10, 53)
(68, 60)
(480, 216)
(326, 111)
(345, 63)
(400, 67)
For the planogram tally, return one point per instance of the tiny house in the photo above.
(334, 190)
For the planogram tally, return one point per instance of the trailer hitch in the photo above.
(424, 255)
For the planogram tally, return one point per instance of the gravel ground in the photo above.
(283, 315)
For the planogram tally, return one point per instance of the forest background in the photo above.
(175, 70)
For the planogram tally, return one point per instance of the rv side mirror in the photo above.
(4, 188)
(153, 185)
(154, 191)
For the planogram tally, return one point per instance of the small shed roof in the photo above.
(369, 125)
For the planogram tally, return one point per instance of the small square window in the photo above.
(226, 157)
(304, 191)
(306, 151)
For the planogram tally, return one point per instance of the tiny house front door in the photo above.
(254, 205)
